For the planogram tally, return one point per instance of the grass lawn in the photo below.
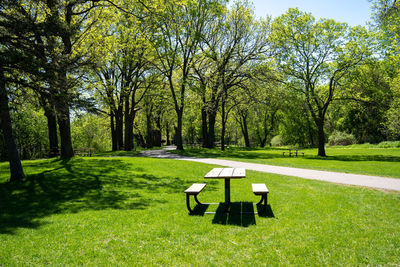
(131, 211)
(355, 159)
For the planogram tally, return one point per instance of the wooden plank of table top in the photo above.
(226, 173)
(239, 173)
(214, 173)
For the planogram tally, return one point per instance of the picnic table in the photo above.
(227, 174)
(293, 151)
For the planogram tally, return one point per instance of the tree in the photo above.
(315, 56)
(16, 170)
(231, 45)
(178, 27)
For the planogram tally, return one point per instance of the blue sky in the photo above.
(354, 12)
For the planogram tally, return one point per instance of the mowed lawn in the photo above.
(131, 211)
(354, 159)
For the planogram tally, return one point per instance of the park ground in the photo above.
(108, 210)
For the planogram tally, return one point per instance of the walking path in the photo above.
(334, 177)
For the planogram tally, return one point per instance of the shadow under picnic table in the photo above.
(240, 214)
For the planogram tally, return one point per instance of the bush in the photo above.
(341, 139)
(389, 144)
(277, 141)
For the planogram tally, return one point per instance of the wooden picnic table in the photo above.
(227, 174)
(293, 151)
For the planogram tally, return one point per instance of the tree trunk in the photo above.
(52, 130)
(119, 119)
(245, 130)
(321, 138)
(178, 133)
(65, 130)
(114, 141)
(16, 170)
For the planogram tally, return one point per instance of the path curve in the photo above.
(379, 182)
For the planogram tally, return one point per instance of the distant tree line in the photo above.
(115, 74)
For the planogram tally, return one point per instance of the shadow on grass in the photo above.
(265, 211)
(240, 214)
(253, 153)
(76, 185)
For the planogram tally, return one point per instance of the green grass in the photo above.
(131, 211)
(354, 159)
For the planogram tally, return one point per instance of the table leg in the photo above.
(227, 191)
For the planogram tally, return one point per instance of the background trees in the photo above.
(194, 71)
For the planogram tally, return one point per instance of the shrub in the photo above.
(277, 141)
(341, 139)
(389, 144)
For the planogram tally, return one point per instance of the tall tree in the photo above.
(178, 27)
(16, 170)
(231, 44)
(315, 56)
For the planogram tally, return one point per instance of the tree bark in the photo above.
(129, 119)
(119, 134)
(113, 132)
(178, 134)
(321, 138)
(64, 126)
(245, 131)
(16, 170)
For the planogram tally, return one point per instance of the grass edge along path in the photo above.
(383, 162)
(124, 211)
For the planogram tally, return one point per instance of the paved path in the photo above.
(334, 177)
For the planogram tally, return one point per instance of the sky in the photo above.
(354, 12)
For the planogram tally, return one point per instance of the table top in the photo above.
(224, 173)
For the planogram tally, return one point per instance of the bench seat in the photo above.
(193, 190)
(260, 189)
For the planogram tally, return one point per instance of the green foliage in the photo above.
(131, 211)
(389, 144)
(30, 130)
(341, 139)
(277, 141)
(91, 131)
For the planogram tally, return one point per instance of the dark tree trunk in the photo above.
(245, 130)
(16, 170)
(178, 133)
(52, 130)
(65, 130)
(204, 128)
(119, 120)
(321, 138)
(211, 129)
(114, 141)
